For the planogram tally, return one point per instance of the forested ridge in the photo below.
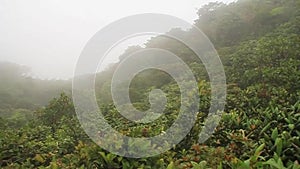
(259, 44)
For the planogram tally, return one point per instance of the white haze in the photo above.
(48, 35)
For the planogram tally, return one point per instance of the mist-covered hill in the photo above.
(259, 44)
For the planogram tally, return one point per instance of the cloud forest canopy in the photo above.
(258, 42)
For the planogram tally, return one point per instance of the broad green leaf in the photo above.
(274, 134)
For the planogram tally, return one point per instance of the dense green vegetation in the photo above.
(259, 45)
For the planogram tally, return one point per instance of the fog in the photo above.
(49, 35)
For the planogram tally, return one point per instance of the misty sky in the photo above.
(48, 35)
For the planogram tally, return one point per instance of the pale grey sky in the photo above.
(48, 35)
